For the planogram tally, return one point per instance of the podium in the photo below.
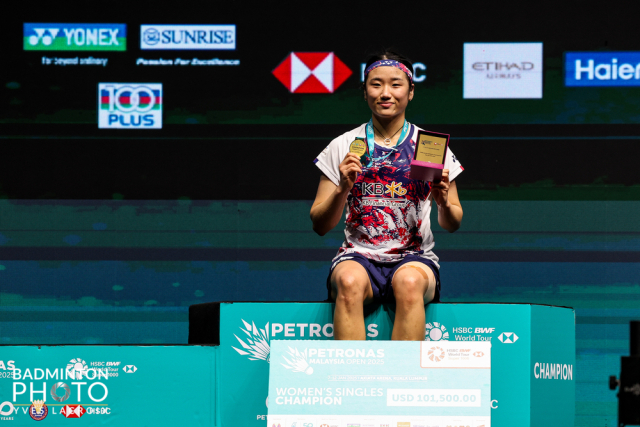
(533, 353)
(221, 379)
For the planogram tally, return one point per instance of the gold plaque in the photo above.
(358, 147)
(430, 149)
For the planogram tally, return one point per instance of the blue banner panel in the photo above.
(602, 69)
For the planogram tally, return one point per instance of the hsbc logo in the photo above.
(508, 337)
(312, 72)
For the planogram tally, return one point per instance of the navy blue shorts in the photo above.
(381, 273)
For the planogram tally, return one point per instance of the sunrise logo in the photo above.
(312, 72)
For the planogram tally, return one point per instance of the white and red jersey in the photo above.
(388, 215)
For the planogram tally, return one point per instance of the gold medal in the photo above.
(358, 147)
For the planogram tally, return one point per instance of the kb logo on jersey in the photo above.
(130, 106)
(378, 189)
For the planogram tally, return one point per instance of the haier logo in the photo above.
(130, 105)
(602, 69)
(188, 37)
(87, 37)
(502, 70)
(312, 72)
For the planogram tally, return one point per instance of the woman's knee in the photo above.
(350, 286)
(409, 289)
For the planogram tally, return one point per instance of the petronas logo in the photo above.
(256, 343)
(297, 361)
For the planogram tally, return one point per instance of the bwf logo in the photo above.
(130, 105)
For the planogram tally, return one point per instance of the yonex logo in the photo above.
(87, 37)
(43, 35)
(312, 72)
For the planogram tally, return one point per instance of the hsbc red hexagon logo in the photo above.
(72, 411)
(312, 72)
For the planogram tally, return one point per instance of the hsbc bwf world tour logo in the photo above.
(312, 72)
(130, 106)
(435, 332)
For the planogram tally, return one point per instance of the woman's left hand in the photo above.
(440, 190)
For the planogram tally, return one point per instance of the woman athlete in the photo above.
(387, 252)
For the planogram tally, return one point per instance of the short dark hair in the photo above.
(388, 54)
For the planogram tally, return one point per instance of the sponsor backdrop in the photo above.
(122, 203)
(531, 382)
(532, 370)
(110, 385)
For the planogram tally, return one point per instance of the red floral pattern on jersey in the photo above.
(385, 206)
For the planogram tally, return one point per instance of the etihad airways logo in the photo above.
(502, 70)
(312, 72)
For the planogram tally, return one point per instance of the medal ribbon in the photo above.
(371, 142)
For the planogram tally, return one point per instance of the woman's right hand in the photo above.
(349, 170)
